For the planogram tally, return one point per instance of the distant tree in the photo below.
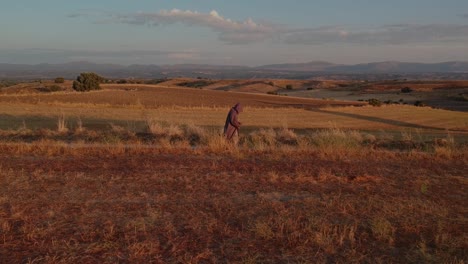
(406, 90)
(59, 80)
(289, 87)
(87, 81)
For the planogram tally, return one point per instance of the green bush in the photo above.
(55, 88)
(195, 84)
(59, 80)
(6, 83)
(87, 81)
(156, 81)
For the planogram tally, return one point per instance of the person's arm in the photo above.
(234, 120)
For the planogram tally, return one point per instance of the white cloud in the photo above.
(250, 31)
(391, 34)
(234, 32)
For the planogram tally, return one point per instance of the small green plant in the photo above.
(59, 80)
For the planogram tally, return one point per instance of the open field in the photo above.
(447, 94)
(62, 204)
(130, 102)
(139, 174)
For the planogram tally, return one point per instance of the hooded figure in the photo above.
(231, 128)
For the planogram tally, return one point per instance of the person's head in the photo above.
(238, 107)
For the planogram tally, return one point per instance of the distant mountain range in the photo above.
(455, 69)
(376, 67)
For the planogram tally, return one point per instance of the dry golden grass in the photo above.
(154, 96)
(97, 204)
(157, 183)
(397, 118)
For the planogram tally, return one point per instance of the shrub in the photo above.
(49, 89)
(406, 90)
(6, 83)
(87, 81)
(374, 102)
(419, 103)
(336, 139)
(195, 84)
(289, 87)
(156, 81)
(59, 80)
(55, 88)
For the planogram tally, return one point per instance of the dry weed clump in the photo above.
(172, 134)
(62, 124)
(165, 135)
(336, 139)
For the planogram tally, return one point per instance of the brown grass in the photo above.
(154, 96)
(95, 204)
(157, 183)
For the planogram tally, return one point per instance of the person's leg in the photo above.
(235, 138)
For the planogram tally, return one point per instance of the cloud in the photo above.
(230, 31)
(101, 56)
(250, 31)
(87, 13)
(399, 34)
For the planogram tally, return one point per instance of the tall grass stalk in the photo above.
(62, 124)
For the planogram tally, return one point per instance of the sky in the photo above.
(240, 32)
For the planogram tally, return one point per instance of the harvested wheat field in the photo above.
(151, 96)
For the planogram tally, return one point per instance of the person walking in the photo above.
(232, 125)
